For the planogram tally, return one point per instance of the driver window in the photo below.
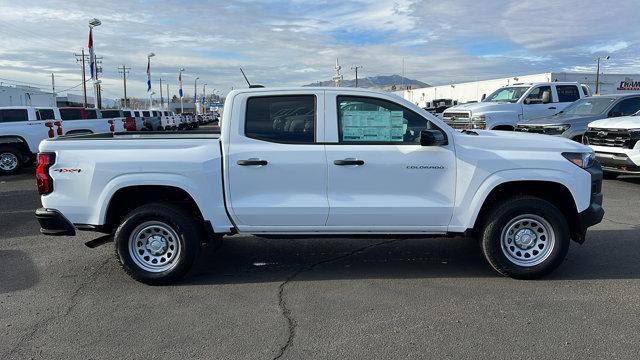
(362, 119)
(537, 95)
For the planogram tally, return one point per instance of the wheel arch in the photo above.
(554, 192)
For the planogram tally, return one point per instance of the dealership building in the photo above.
(18, 95)
(475, 91)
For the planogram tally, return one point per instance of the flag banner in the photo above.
(180, 82)
(148, 74)
(91, 54)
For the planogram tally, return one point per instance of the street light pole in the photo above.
(149, 56)
(598, 73)
(180, 81)
(195, 94)
(204, 98)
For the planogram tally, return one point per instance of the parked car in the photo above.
(151, 120)
(131, 116)
(616, 142)
(437, 106)
(572, 122)
(513, 104)
(321, 161)
(78, 120)
(21, 130)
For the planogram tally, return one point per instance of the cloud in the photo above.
(296, 42)
(609, 48)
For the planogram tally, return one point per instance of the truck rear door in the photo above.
(276, 164)
(380, 177)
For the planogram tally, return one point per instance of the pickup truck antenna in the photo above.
(247, 80)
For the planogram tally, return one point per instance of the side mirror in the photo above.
(432, 138)
(484, 96)
(546, 97)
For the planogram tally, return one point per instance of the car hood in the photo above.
(518, 141)
(484, 107)
(623, 122)
(561, 119)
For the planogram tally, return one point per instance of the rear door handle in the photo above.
(252, 162)
(348, 162)
(552, 108)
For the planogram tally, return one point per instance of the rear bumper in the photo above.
(52, 222)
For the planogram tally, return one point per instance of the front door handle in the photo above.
(252, 162)
(348, 162)
(552, 107)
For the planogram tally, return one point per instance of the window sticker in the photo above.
(382, 125)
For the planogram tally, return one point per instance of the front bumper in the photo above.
(52, 222)
(619, 163)
(594, 213)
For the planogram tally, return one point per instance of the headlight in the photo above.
(556, 129)
(584, 160)
(478, 118)
(635, 131)
(478, 122)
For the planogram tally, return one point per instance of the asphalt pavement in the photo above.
(353, 298)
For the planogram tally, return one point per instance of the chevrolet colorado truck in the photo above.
(320, 162)
(510, 105)
(616, 143)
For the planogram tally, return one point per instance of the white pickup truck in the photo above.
(321, 161)
(510, 105)
(616, 142)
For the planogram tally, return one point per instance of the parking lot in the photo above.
(361, 298)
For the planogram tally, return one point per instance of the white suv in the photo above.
(616, 142)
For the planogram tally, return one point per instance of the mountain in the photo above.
(383, 82)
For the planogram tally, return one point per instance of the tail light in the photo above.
(112, 126)
(43, 180)
(59, 125)
(49, 124)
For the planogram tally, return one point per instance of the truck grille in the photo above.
(455, 116)
(530, 129)
(619, 138)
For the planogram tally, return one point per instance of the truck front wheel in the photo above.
(157, 243)
(525, 237)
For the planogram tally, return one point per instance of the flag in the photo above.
(180, 82)
(91, 54)
(148, 74)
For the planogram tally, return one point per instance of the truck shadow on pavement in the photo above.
(610, 254)
(17, 271)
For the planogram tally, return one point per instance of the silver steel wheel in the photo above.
(8, 161)
(154, 246)
(527, 240)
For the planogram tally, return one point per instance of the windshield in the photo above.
(507, 94)
(590, 106)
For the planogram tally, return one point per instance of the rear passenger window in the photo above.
(378, 121)
(12, 115)
(286, 119)
(45, 114)
(145, 113)
(92, 114)
(70, 114)
(625, 107)
(110, 114)
(567, 93)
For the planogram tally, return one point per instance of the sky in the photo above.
(290, 43)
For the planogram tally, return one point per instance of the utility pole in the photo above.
(598, 73)
(168, 96)
(53, 84)
(161, 98)
(356, 69)
(81, 58)
(124, 70)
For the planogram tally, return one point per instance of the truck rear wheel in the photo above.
(10, 160)
(525, 237)
(157, 243)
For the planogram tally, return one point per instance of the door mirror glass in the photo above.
(432, 138)
(546, 97)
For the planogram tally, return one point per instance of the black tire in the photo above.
(11, 160)
(608, 175)
(498, 222)
(181, 222)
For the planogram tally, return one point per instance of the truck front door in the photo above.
(380, 177)
(277, 168)
(539, 103)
